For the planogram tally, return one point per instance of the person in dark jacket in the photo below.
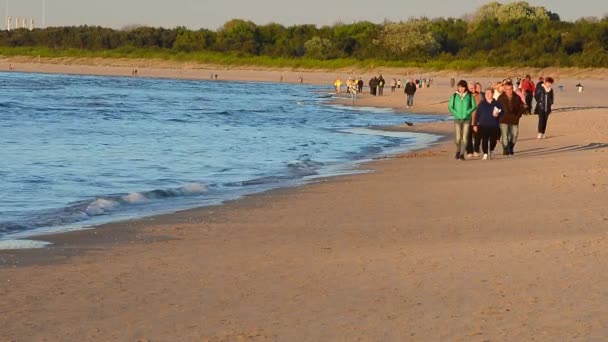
(381, 83)
(544, 102)
(373, 84)
(410, 91)
(486, 123)
(541, 81)
(360, 85)
(513, 109)
(473, 139)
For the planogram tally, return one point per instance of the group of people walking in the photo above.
(482, 119)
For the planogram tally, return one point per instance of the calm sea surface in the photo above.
(82, 150)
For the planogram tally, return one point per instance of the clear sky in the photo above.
(212, 13)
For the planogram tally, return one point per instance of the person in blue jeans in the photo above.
(513, 108)
(410, 91)
(461, 105)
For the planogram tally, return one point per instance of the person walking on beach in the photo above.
(360, 85)
(513, 109)
(461, 105)
(399, 84)
(381, 84)
(473, 138)
(486, 123)
(410, 91)
(541, 81)
(529, 89)
(338, 85)
(544, 100)
(393, 85)
(373, 84)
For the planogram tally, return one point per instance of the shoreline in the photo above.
(63, 245)
(58, 240)
(424, 248)
(157, 68)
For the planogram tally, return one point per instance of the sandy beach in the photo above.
(423, 249)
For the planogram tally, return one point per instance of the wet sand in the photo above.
(424, 248)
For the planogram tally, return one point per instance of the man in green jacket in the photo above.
(461, 105)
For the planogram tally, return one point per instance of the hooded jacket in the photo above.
(462, 107)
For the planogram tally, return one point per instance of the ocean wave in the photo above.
(102, 205)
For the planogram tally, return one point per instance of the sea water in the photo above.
(83, 150)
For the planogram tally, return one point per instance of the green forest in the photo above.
(511, 34)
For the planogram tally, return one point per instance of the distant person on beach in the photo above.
(11, 67)
(216, 76)
(410, 91)
(452, 82)
(509, 123)
(529, 89)
(393, 85)
(301, 79)
(473, 138)
(360, 85)
(373, 84)
(544, 99)
(399, 84)
(486, 123)
(461, 105)
(338, 85)
(541, 81)
(381, 84)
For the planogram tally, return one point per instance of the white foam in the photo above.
(22, 244)
(378, 110)
(100, 206)
(134, 198)
(193, 188)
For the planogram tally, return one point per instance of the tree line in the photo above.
(512, 34)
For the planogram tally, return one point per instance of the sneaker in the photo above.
(476, 155)
(457, 156)
(485, 156)
(539, 136)
(469, 156)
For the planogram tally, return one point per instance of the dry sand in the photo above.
(424, 249)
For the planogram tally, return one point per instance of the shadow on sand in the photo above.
(539, 151)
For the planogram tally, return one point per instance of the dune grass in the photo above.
(216, 58)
